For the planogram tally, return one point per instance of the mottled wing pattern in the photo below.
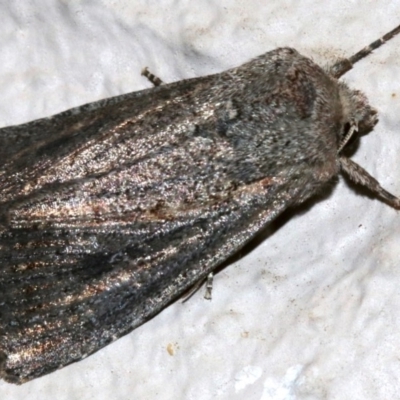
(110, 211)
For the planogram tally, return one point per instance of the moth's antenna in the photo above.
(343, 65)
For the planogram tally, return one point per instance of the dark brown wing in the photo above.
(110, 211)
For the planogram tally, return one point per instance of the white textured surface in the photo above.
(313, 311)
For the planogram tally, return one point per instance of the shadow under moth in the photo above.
(112, 210)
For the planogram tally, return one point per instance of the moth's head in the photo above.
(357, 112)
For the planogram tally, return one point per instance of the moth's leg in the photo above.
(353, 129)
(360, 176)
(208, 282)
(209, 286)
(155, 80)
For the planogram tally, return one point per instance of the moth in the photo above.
(112, 210)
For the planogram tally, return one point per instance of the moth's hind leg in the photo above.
(361, 177)
(208, 281)
(155, 80)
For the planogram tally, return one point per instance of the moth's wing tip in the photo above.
(3, 360)
(4, 373)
